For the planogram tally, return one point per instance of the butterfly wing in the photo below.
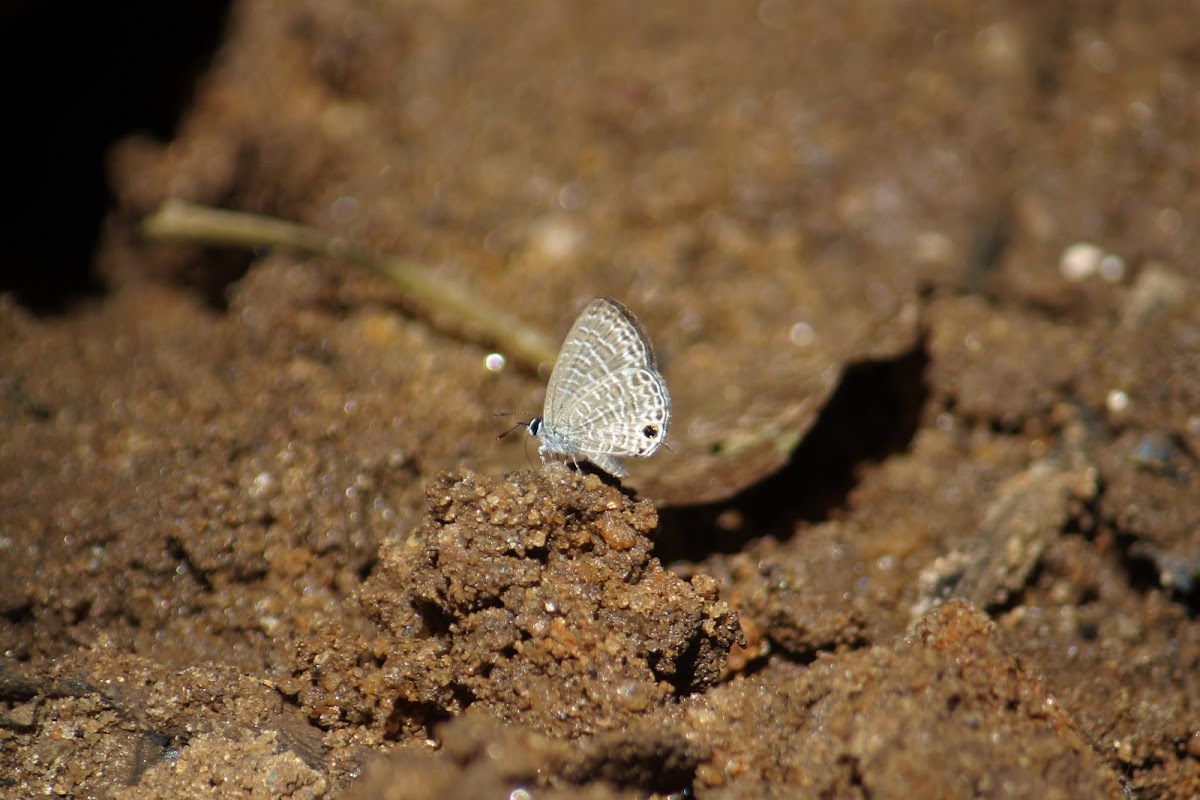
(604, 340)
(606, 397)
(624, 413)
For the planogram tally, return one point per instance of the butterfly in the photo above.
(606, 397)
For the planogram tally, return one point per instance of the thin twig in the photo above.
(178, 221)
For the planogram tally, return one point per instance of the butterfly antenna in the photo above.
(513, 428)
(511, 414)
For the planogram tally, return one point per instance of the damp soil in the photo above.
(923, 281)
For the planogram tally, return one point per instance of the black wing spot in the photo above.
(650, 431)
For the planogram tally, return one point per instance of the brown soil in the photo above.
(930, 524)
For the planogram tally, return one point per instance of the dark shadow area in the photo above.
(1151, 569)
(76, 77)
(874, 413)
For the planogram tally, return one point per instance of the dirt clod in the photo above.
(509, 597)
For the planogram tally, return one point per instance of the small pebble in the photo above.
(1080, 261)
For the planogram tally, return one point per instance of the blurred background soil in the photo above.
(923, 278)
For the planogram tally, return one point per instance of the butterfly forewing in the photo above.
(604, 339)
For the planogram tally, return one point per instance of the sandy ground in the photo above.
(924, 283)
